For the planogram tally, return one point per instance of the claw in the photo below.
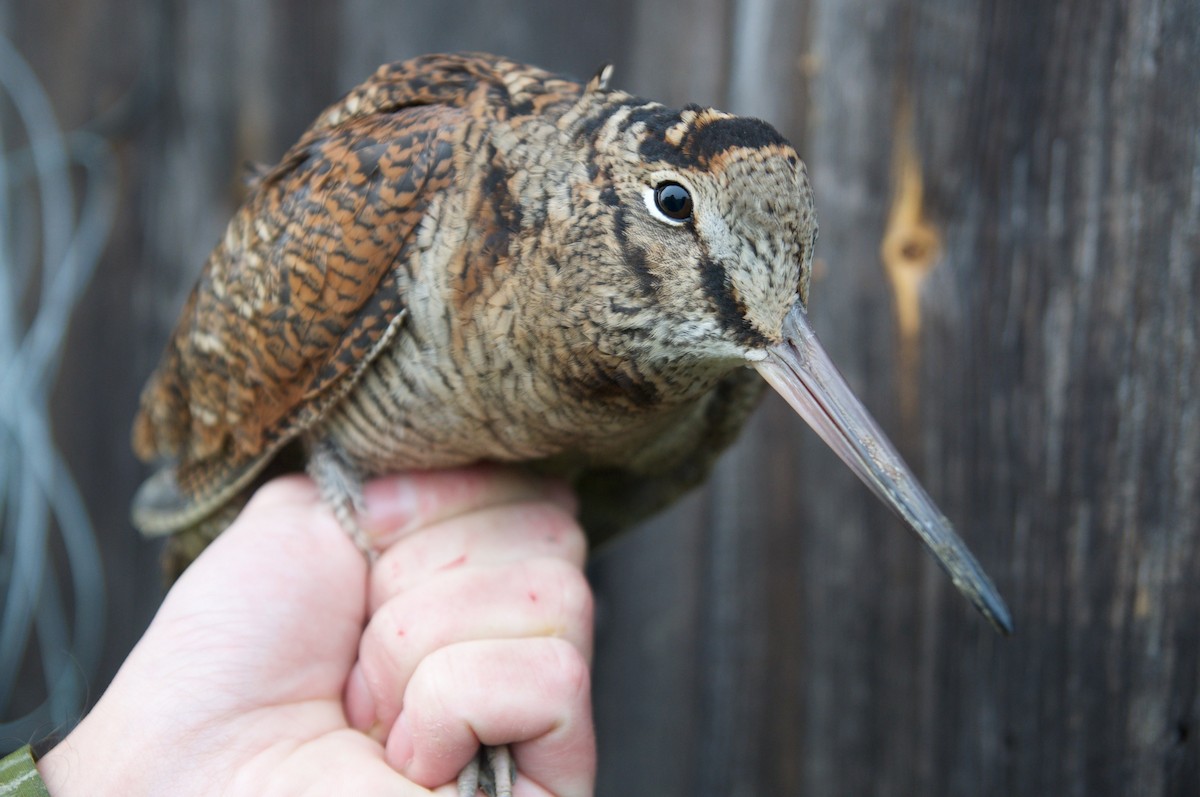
(492, 769)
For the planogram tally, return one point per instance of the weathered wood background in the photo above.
(1029, 334)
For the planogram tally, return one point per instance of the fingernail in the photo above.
(390, 503)
(400, 748)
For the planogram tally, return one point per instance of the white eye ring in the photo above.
(648, 193)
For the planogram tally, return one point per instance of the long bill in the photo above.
(800, 370)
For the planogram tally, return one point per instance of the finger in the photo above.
(533, 694)
(280, 512)
(527, 598)
(282, 579)
(287, 526)
(490, 536)
(398, 505)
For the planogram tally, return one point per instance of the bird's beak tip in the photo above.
(802, 373)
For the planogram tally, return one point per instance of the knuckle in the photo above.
(566, 673)
(564, 586)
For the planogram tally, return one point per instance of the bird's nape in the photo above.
(802, 373)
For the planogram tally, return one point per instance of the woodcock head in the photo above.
(715, 215)
(533, 270)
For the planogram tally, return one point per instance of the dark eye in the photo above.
(673, 201)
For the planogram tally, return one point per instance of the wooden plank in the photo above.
(778, 633)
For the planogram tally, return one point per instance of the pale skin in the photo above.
(281, 664)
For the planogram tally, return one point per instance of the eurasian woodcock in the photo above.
(469, 259)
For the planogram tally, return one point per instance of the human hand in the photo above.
(279, 647)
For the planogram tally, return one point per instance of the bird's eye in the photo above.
(673, 201)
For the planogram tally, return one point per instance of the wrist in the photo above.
(88, 762)
(107, 753)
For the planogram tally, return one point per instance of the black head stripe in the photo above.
(705, 141)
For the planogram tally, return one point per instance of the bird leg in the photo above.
(341, 488)
(492, 769)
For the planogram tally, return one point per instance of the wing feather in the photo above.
(308, 284)
(302, 292)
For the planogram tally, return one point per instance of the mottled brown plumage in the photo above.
(469, 259)
(443, 270)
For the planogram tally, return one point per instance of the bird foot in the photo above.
(341, 489)
(492, 769)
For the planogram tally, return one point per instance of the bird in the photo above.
(468, 259)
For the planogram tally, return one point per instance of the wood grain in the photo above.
(777, 633)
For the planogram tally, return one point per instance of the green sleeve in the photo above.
(19, 775)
